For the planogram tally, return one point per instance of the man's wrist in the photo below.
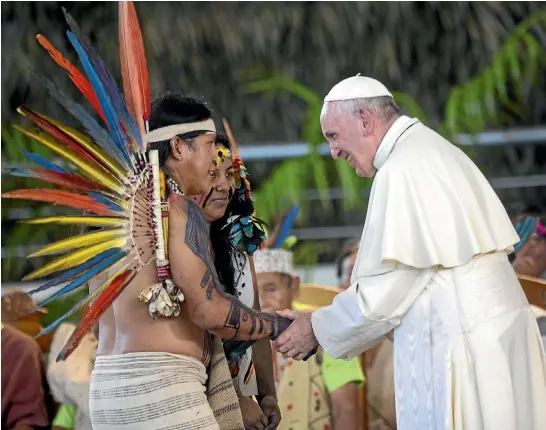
(261, 397)
(282, 324)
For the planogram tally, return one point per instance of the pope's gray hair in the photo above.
(384, 107)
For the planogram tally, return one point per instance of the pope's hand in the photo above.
(298, 340)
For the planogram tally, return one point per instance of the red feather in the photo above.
(57, 133)
(134, 70)
(64, 198)
(103, 302)
(68, 180)
(79, 80)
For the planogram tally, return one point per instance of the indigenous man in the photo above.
(152, 373)
(318, 393)
(432, 266)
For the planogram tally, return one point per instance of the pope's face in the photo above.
(350, 138)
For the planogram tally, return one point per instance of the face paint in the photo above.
(204, 200)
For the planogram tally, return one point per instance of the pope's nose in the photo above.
(335, 152)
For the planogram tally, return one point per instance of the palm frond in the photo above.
(500, 86)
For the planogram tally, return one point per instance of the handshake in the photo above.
(298, 341)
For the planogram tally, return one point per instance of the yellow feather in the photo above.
(80, 241)
(166, 234)
(91, 171)
(75, 258)
(162, 184)
(79, 220)
(92, 148)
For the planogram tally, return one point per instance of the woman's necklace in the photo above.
(173, 187)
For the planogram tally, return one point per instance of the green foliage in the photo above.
(307, 253)
(14, 143)
(291, 178)
(57, 308)
(496, 94)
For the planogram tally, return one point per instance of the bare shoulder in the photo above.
(178, 215)
(178, 207)
(186, 220)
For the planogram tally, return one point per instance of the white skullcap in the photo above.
(357, 87)
(273, 261)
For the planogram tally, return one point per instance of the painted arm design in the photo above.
(193, 271)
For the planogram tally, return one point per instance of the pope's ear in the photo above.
(366, 119)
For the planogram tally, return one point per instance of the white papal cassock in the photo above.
(433, 266)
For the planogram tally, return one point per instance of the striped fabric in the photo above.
(221, 392)
(149, 390)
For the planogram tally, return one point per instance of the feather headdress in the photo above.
(246, 231)
(114, 179)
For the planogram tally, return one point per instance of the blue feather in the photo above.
(525, 230)
(107, 80)
(106, 104)
(58, 321)
(69, 274)
(97, 133)
(113, 93)
(84, 277)
(23, 173)
(236, 228)
(248, 230)
(236, 238)
(252, 248)
(42, 162)
(286, 226)
(99, 198)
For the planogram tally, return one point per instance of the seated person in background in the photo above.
(23, 394)
(16, 311)
(69, 380)
(529, 257)
(318, 393)
(346, 262)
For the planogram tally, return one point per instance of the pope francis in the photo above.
(433, 267)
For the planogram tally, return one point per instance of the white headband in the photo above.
(166, 133)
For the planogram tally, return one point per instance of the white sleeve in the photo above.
(370, 308)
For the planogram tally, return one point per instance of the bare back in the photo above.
(128, 327)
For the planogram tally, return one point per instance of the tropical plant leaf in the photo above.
(410, 105)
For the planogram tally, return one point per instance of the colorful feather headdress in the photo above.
(247, 231)
(113, 179)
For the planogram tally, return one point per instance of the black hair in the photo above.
(174, 108)
(221, 244)
(531, 210)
